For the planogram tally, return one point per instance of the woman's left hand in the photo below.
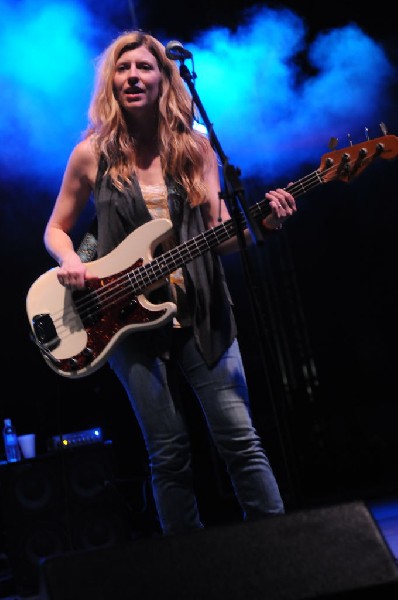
(283, 206)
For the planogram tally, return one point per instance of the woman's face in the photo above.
(137, 80)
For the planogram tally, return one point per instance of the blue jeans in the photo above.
(223, 396)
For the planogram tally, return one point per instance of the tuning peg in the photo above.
(383, 128)
(333, 143)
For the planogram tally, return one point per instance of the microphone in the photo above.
(176, 51)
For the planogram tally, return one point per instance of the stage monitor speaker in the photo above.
(56, 503)
(334, 552)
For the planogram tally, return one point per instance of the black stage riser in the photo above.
(325, 553)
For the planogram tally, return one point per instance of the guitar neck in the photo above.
(343, 164)
(184, 253)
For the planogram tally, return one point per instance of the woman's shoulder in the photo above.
(85, 150)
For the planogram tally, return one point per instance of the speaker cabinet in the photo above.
(334, 552)
(60, 502)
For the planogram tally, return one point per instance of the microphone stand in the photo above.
(235, 195)
(234, 199)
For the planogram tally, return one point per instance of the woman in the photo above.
(141, 158)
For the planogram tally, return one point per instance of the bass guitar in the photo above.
(76, 330)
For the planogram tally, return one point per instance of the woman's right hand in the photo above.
(72, 273)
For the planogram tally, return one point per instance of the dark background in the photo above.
(319, 342)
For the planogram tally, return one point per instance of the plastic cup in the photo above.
(27, 444)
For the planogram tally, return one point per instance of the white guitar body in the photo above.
(48, 297)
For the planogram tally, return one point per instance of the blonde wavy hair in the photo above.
(183, 149)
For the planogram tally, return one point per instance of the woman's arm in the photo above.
(76, 187)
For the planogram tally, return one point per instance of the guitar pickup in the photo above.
(45, 333)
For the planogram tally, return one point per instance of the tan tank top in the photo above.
(155, 197)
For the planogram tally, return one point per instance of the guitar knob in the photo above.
(88, 353)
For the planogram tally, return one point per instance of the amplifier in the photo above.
(76, 438)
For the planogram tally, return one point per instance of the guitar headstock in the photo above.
(347, 163)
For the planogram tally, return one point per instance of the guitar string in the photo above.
(136, 280)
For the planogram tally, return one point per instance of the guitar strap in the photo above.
(87, 249)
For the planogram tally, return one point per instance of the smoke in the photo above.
(46, 72)
(274, 98)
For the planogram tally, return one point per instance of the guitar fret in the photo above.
(139, 279)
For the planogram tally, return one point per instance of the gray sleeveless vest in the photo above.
(120, 213)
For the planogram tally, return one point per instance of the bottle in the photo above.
(11, 445)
